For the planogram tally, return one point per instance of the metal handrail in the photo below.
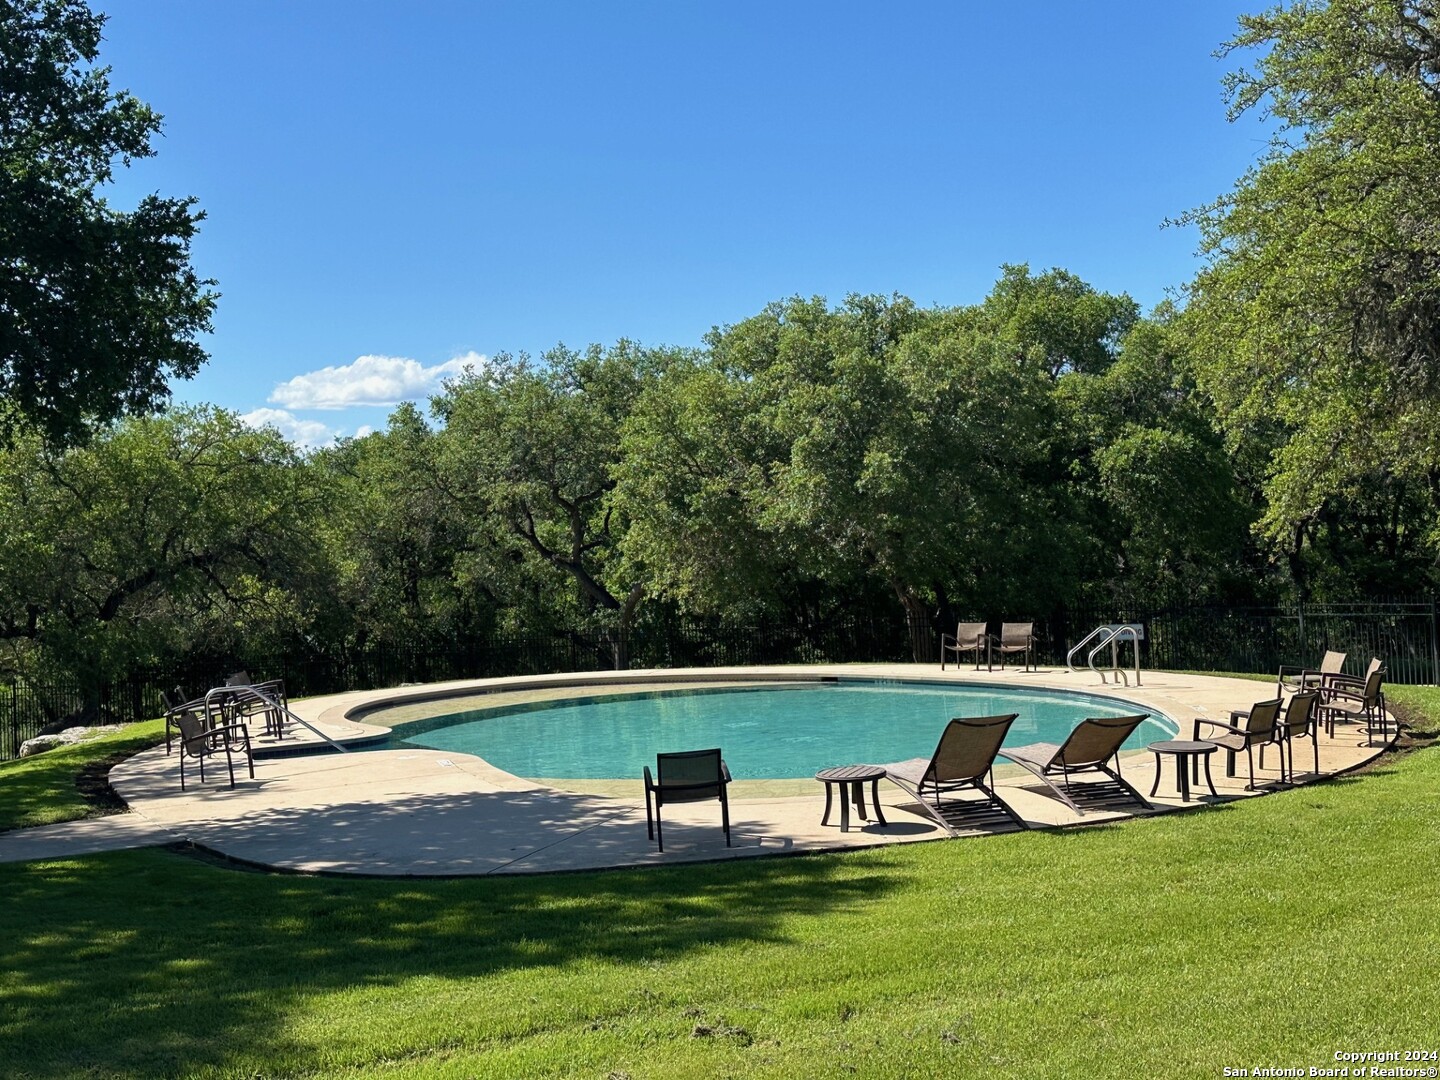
(270, 701)
(1111, 634)
(1070, 656)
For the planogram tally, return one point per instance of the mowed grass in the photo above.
(1271, 932)
(45, 789)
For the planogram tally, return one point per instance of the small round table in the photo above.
(850, 779)
(1193, 750)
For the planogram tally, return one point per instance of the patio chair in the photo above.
(1347, 698)
(1301, 678)
(690, 776)
(175, 703)
(199, 741)
(1299, 722)
(964, 758)
(1089, 748)
(1015, 637)
(262, 703)
(1248, 728)
(970, 637)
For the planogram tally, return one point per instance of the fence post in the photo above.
(14, 718)
(1434, 645)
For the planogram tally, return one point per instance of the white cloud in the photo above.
(306, 434)
(369, 380)
(363, 430)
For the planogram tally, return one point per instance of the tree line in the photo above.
(1271, 434)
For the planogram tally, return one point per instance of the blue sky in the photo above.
(394, 188)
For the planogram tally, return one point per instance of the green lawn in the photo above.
(42, 790)
(1272, 932)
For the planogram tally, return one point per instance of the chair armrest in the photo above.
(649, 782)
(1231, 728)
(724, 772)
(1331, 693)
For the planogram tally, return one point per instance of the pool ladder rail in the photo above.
(216, 698)
(1111, 634)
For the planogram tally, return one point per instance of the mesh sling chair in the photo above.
(964, 758)
(175, 704)
(200, 742)
(1344, 697)
(690, 776)
(970, 637)
(1246, 730)
(252, 699)
(1015, 637)
(1089, 748)
(1299, 722)
(1301, 678)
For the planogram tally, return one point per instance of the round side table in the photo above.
(850, 779)
(1183, 751)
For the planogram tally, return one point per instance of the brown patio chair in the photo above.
(970, 637)
(1299, 722)
(200, 742)
(1248, 728)
(1346, 698)
(1301, 678)
(690, 776)
(1015, 637)
(1089, 748)
(175, 703)
(964, 758)
(263, 702)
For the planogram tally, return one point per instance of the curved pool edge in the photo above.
(428, 814)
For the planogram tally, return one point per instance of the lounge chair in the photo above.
(1248, 728)
(1347, 698)
(970, 637)
(1089, 748)
(200, 742)
(1015, 637)
(1300, 678)
(1299, 722)
(964, 758)
(691, 776)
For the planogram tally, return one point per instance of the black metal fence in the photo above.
(1252, 639)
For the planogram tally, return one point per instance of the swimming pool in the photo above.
(765, 731)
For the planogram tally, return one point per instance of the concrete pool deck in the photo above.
(428, 813)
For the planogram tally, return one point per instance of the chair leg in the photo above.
(725, 814)
(1250, 760)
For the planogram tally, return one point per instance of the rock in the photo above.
(68, 737)
(41, 743)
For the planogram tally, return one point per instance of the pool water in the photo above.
(766, 732)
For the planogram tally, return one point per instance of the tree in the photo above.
(98, 306)
(1315, 323)
(163, 536)
(527, 452)
(870, 444)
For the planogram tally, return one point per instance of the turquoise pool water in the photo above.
(766, 732)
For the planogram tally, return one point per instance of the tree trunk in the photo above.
(917, 621)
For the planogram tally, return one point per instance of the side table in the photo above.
(1182, 749)
(850, 779)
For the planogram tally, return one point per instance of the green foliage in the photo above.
(1316, 322)
(164, 535)
(98, 307)
(526, 453)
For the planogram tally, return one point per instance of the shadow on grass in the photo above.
(148, 963)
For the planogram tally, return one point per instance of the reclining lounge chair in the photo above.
(1089, 748)
(964, 758)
